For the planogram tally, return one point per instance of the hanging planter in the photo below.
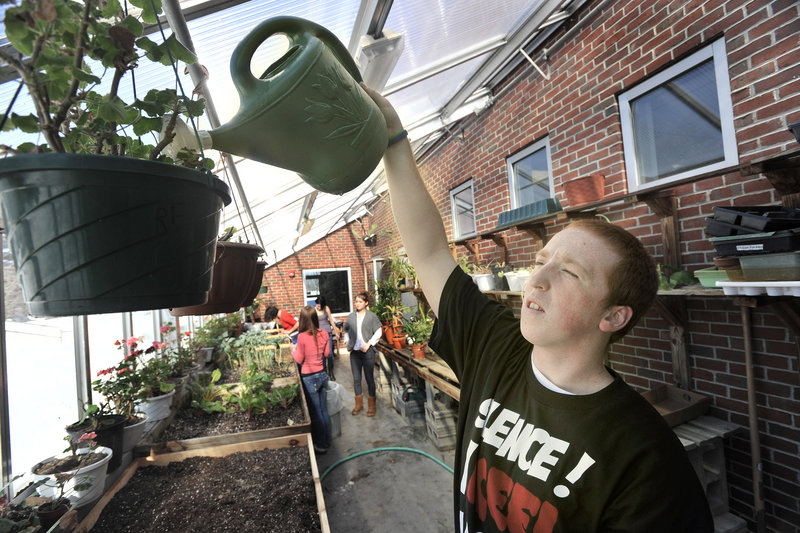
(235, 269)
(255, 288)
(100, 234)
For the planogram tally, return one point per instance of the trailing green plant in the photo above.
(63, 41)
(370, 232)
(207, 396)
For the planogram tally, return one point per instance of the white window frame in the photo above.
(519, 156)
(457, 234)
(730, 151)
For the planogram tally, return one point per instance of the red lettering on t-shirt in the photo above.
(512, 506)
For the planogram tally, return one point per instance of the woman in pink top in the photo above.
(312, 346)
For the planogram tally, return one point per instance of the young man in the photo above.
(549, 439)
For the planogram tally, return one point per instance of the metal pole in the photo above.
(755, 441)
(5, 425)
(83, 382)
(177, 22)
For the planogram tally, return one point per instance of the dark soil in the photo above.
(58, 465)
(188, 424)
(262, 491)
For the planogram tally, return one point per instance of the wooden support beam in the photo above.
(665, 205)
(501, 240)
(536, 231)
(674, 312)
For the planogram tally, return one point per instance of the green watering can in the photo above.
(306, 113)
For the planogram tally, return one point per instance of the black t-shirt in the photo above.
(532, 460)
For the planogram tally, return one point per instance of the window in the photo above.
(333, 283)
(679, 123)
(529, 175)
(462, 204)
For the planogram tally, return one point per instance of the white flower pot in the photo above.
(94, 475)
(156, 409)
(485, 282)
(132, 434)
(516, 280)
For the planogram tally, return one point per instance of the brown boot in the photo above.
(359, 404)
(372, 408)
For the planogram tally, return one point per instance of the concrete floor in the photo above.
(386, 491)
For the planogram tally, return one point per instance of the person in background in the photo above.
(363, 330)
(327, 323)
(548, 437)
(309, 352)
(283, 318)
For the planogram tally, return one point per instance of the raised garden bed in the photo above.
(264, 485)
(185, 430)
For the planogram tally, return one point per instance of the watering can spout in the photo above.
(306, 113)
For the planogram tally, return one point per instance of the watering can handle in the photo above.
(296, 29)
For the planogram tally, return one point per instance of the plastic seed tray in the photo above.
(755, 288)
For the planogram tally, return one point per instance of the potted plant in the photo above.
(483, 277)
(370, 236)
(77, 474)
(107, 426)
(99, 221)
(418, 326)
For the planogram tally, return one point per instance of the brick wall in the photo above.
(577, 108)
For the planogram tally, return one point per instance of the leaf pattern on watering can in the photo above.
(343, 103)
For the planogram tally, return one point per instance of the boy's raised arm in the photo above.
(415, 213)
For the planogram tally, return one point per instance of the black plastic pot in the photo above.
(99, 234)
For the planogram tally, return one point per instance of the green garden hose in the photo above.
(385, 449)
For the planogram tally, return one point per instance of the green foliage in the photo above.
(207, 395)
(418, 326)
(216, 329)
(58, 37)
(669, 277)
(387, 300)
(283, 396)
(251, 397)
(249, 349)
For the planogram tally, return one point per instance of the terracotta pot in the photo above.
(584, 190)
(399, 340)
(419, 350)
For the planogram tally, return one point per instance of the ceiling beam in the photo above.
(535, 21)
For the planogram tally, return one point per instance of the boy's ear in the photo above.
(616, 318)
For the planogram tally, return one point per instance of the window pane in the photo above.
(464, 212)
(41, 388)
(531, 179)
(677, 125)
(333, 284)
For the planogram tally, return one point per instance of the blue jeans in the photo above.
(363, 361)
(316, 386)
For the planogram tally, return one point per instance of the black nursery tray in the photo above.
(758, 243)
(759, 218)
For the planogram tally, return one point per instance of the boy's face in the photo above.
(565, 296)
